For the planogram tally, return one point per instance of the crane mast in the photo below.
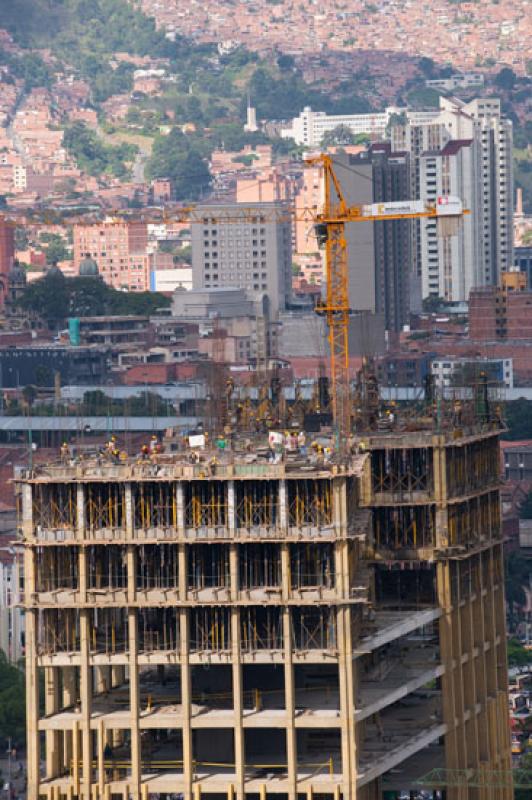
(330, 229)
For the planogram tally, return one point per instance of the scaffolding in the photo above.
(208, 566)
(57, 568)
(404, 527)
(309, 503)
(402, 470)
(210, 629)
(104, 506)
(257, 504)
(155, 505)
(312, 565)
(205, 504)
(157, 566)
(261, 628)
(55, 506)
(107, 567)
(260, 566)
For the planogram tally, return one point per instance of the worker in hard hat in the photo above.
(65, 452)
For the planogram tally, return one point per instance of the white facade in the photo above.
(309, 128)
(465, 150)
(465, 80)
(168, 280)
(450, 265)
(444, 370)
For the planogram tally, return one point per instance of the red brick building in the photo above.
(498, 315)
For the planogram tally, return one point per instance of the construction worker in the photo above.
(145, 451)
(65, 452)
(153, 444)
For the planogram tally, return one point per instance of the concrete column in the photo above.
(51, 706)
(134, 698)
(283, 505)
(454, 745)
(183, 571)
(69, 699)
(231, 507)
(83, 576)
(180, 508)
(238, 700)
(131, 557)
(128, 511)
(234, 571)
(76, 758)
(27, 513)
(186, 700)
(102, 679)
(286, 576)
(347, 702)
(80, 511)
(31, 622)
(101, 748)
(339, 498)
(86, 703)
(290, 705)
(32, 705)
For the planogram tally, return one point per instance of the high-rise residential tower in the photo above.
(465, 150)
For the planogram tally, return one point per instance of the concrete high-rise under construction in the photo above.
(252, 629)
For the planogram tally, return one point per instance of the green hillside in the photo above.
(75, 28)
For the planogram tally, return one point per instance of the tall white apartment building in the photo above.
(464, 150)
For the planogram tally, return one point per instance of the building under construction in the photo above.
(331, 627)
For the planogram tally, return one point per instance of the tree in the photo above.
(92, 155)
(426, 65)
(285, 62)
(21, 238)
(517, 574)
(432, 304)
(525, 511)
(518, 414)
(29, 393)
(175, 157)
(518, 656)
(56, 249)
(339, 135)
(12, 703)
(58, 298)
(506, 78)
